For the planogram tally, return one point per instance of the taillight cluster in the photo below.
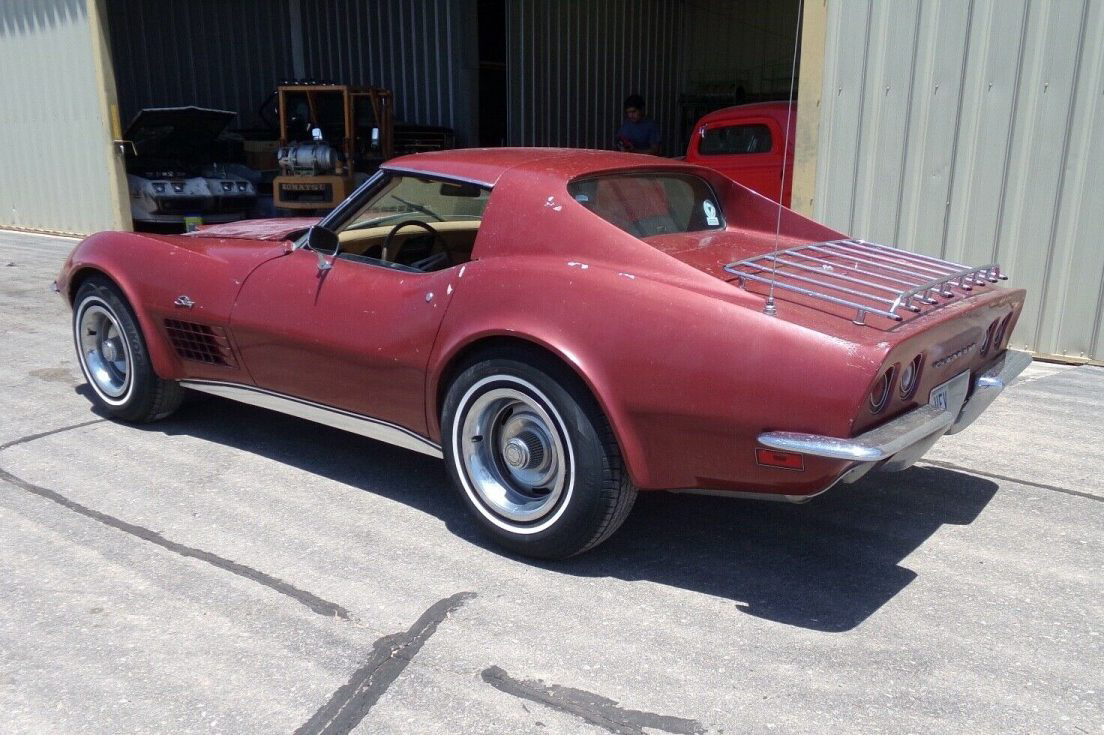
(906, 377)
(995, 334)
(879, 394)
(1002, 332)
(910, 377)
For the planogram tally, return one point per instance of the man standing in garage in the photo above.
(638, 133)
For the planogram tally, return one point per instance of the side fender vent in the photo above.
(200, 342)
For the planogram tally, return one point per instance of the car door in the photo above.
(355, 337)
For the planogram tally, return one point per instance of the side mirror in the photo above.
(324, 243)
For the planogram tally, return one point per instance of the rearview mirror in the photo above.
(460, 190)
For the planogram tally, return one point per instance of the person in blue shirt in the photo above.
(637, 134)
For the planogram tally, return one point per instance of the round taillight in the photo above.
(879, 394)
(987, 342)
(910, 374)
(999, 336)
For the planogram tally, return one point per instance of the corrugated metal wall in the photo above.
(571, 65)
(232, 54)
(739, 43)
(60, 171)
(211, 53)
(408, 46)
(975, 130)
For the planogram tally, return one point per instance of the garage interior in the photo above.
(455, 63)
(493, 72)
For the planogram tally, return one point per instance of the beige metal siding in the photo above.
(58, 169)
(973, 130)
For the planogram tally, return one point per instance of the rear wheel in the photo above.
(534, 457)
(113, 356)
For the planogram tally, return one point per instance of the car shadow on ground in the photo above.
(826, 565)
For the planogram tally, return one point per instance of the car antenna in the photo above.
(769, 308)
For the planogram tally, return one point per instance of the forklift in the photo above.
(331, 137)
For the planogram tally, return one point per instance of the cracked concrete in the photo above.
(142, 570)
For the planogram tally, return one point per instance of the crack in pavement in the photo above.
(315, 603)
(51, 432)
(1017, 480)
(391, 654)
(594, 708)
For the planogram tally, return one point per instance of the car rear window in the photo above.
(735, 139)
(651, 204)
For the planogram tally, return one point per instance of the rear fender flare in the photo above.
(450, 359)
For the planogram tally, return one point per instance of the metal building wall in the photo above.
(211, 53)
(60, 171)
(571, 65)
(411, 47)
(746, 43)
(975, 131)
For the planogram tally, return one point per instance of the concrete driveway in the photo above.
(234, 570)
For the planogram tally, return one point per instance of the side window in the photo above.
(736, 139)
(414, 223)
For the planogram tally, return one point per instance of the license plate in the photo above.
(939, 396)
(951, 395)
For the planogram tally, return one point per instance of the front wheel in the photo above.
(114, 359)
(534, 457)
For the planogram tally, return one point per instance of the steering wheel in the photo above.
(394, 230)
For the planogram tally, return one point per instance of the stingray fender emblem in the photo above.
(184, 302)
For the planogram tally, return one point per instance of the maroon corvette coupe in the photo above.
(564, 328)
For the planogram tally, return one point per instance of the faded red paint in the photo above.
(684, 363)
(258, 229)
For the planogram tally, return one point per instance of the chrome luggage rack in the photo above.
(864, 276)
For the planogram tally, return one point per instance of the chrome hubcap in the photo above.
(104, 352)
(525, 451)
(513, 455)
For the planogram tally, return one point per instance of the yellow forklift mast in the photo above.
(339, 132)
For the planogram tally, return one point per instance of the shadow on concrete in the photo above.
(827, 565)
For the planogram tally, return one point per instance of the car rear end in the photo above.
(943, 328)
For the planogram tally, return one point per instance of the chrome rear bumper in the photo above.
(902, 441)
(989, 385)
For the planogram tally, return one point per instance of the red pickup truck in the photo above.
(745, 143)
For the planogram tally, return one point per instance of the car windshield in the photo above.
(651, 203)
(410, 198)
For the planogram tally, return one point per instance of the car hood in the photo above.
(176, 132)
(280, 228)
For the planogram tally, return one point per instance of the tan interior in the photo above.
(455, 239)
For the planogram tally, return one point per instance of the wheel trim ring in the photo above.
(462, 472)
(496, 416)
(103, 314)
